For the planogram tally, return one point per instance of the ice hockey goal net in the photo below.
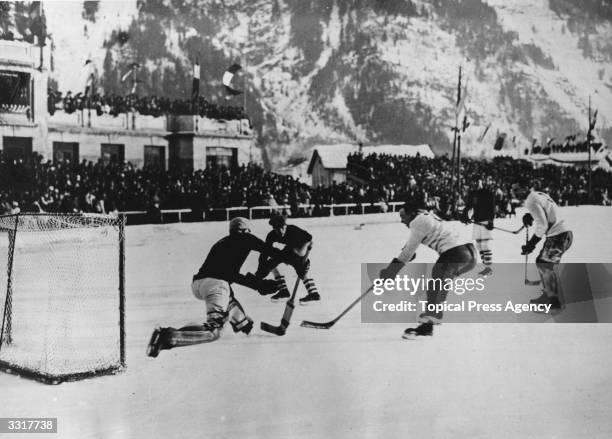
(62, 295)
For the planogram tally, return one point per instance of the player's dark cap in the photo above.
(413, 202)
(277, 221)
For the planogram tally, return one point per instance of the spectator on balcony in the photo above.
(15, 209)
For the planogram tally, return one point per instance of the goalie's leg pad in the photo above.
(195, 334)
(245, 326)
(238, 319)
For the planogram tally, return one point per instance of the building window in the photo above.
(14, 92)
(15, 148)
(66, 152)
(112, 153)
(217, 156)
(155, 157)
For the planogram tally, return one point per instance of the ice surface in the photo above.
(353, 381)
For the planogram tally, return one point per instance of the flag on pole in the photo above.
(88, 77)
(593, 121)
(130, 72)
(460, 105)
(484, 133)
(195, 87)
(227, 80)
(134, 85)
(127, 75)
(500, 141)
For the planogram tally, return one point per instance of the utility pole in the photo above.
(456, 146)
(244, 87)
(592, 122)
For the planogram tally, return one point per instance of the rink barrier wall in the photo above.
(257, 212)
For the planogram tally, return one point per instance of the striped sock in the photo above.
(311, 288)
(487, 257)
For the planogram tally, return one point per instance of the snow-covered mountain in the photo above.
(377, 71)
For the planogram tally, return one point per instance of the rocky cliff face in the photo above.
(377, 71)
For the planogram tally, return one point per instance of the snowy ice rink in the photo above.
(353, 381)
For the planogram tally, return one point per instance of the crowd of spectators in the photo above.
(38, 185)
(8, 35)
(396, 176)
(115, 105)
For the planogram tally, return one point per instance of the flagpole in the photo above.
(244, 88)
(42, 36)
(591, 126)
(456, 138)
(244, 99)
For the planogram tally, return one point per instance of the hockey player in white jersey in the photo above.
(456, 257)
(543, 214)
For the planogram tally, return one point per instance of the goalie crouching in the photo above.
(212, 284)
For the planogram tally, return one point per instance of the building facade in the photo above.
(169, 142)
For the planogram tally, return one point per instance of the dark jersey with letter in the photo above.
(226, 257)
(293, 239)
(483, 202)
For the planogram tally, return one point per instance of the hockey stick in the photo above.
(327, 325)
(286, 319)
(514, 232)
(527, 281)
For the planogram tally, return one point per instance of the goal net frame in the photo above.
(63, 222)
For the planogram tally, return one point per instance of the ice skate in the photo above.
(157, 342)
(488, 271)
(282, 294)
(543, 299)
(309, 298)
(423, 330)
(555, 304)
(245, 326)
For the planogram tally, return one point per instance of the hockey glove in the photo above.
(530, 246)
(267, 286)
(392, 269)
(248, 280)
(262, 272)
(527, 220)
(263, 287)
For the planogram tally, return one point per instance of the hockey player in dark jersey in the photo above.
(297, 245)
(212, 284)
(481, 201)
